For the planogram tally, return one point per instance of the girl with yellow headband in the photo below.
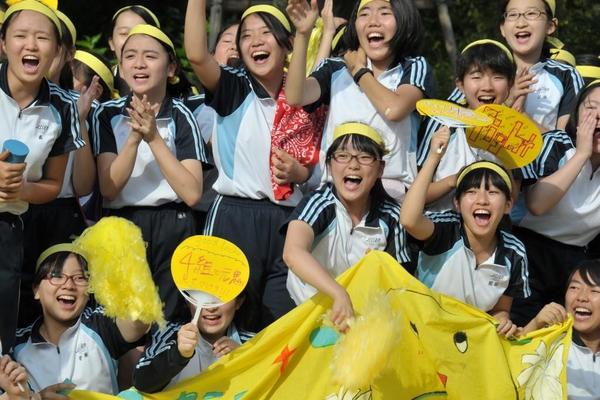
(466, 253)
(122, 21)
(149, 155)
(525, 25)
(562, 199)
(38, 114)
(378, 82)
(336, 225)
(259, 182)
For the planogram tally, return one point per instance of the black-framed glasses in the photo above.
(530, 15)
(343, 157)
(56, 279)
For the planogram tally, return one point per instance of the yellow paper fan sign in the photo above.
(451, 114)
(512, 137)
(210, 265)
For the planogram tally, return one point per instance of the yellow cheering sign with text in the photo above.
(451, 114)
(512, 137)
(209, 265)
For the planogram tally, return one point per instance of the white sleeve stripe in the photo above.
(315, 206)
(194, 128)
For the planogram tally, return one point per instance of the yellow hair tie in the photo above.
(365, 2)
(152, 15)
(337, 38)
(146, 29)
(563, 55)
(34, 5)
(97, 66)
(589, 71)
(489, 41)
(58, 248)
(68, 23)
(358, 128)
(486, 165)
(552, 5)
(272, 10)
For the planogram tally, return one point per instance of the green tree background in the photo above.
(472, 19)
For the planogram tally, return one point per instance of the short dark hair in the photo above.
(485, 56)
(409, 30)
(589, 60)
(589, 271)
(574, 118)
(282, 36)
(54, 264)
(79, 68)
(473, 180)
(7, 22)
(141, 11)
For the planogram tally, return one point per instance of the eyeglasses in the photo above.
(56, 279)
(344, 157)
(530, 15)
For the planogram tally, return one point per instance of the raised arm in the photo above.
(297, 256)
(328, 32)
(411, 214)
(299, 90)
(548, 191)
(204, 65)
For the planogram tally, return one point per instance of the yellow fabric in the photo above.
(447, 350)
(97, 66)
(58, 248)
(487, 165)
(552, 4)
(274, 11)
(589, 71)
(563, 55)
(313, 45)
(336, 39)
(34, 5)
(156, 33)
(555, 42)
(365, 2)
(152, 15)
(593, 83)
(53, 4)
(490, 41)
(357, 128)
(68, 23)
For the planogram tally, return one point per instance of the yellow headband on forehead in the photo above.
(365, 2)
(58, 248)
(272, 10)
(593, 83)
(489, 41)
(589, 71)
(485, 165)
(97, 66)
(34, 5)
(357, 128)
(145, 29)
(68, 23)
(152, 15)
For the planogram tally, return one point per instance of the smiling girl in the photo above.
(378, 82)
(335, 226)
(40, 115)
(252, 167)
(554, 86)
(149, 155)
(465, 254)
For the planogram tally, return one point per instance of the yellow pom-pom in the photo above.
(363, 353)
(120, 277)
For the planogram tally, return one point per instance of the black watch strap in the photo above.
(360, 73)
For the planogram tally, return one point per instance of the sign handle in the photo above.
(197, 315)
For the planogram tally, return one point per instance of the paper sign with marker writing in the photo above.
(451, 114)
(210, 265)
(512, 137)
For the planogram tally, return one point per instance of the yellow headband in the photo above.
(593, 83)
(68, 23)
(58, 248)
(145, 29)
(365, 2)
(489, 41)
(337, 38)
(272, 10)
(152, 15)
(357, 128)
(97, 66)
(487, 165)
(34, 5)
(552, 4)
(563, 55)
(555, 42)
(589, 71)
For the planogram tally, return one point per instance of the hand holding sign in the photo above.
(209, 271)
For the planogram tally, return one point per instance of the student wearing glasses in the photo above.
(336, 225)
(72, 344)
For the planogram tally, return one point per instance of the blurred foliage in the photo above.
(472, 19)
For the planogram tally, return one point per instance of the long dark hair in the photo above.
(473, 180)
(589, 271)
(485, 56)
(282, 36)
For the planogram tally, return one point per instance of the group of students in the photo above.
(312, 164)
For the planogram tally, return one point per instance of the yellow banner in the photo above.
(446, 349)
